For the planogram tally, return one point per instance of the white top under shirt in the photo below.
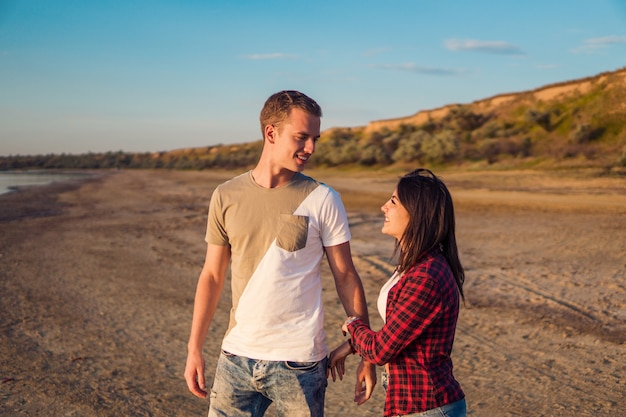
(384, 293)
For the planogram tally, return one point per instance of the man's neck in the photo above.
(266, 178)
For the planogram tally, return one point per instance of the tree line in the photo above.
(587, 128)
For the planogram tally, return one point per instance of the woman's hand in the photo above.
(337, 361)
(349, 320)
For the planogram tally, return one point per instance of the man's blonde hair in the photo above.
(278, 107)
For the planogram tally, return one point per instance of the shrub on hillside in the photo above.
(542, 118)
(410, 149)
(440, 147)
(464, 119)
(585, 133)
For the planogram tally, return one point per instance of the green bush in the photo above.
(542, 118)
(410, 149)
(440, 147)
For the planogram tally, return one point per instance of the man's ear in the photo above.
(270, 133)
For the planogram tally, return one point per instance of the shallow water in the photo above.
(11, 179)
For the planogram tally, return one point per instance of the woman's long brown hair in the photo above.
(431, 222)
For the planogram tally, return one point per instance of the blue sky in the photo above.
(136, 75)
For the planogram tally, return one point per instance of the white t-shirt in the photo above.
(277, 238)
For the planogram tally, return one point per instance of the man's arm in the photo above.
(352, 296)
(210, 285)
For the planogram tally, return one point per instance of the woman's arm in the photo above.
(417, 302)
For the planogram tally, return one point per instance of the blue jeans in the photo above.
(455, 409)
(246, 387)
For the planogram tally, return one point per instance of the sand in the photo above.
(97, 280)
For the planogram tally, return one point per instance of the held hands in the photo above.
(366, 372)
(337, 358)
(365, 375)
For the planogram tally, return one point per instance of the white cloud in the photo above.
(490, 47)
(275, 55)
(418, 69)
(376, 51)
(594, 44)
(607, 40)
(547, 66)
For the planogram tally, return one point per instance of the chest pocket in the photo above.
(293, 232)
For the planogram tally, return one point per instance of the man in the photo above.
(273, 224)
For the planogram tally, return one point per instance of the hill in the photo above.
(497, 104)
(572, 124)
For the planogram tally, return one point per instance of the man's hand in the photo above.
(337, 361)
(194, 374)
(365, 382)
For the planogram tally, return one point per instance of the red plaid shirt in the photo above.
(416, 340)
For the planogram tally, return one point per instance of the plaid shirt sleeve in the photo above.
(413, 304)
(416, 340)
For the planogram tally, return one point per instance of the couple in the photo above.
(273, 225)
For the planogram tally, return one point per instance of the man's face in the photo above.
(294, 140)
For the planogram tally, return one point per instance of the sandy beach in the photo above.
(97, 280)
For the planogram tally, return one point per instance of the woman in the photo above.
(419, 304)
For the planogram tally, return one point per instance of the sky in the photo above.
(80, 76)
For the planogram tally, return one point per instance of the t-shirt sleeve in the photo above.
(216, 228)
(334, 221)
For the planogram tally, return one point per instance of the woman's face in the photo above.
(396, 217)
